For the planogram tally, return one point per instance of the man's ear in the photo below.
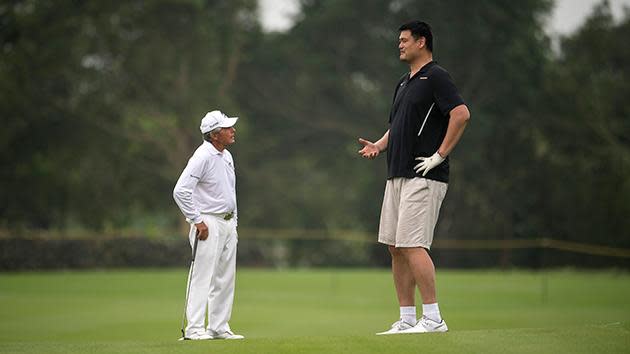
(422, 41)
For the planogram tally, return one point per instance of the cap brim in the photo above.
(228, 122)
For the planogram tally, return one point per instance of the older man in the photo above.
(206, 195)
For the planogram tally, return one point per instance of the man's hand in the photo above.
(428, 163)
(202, 231)
(369, 150)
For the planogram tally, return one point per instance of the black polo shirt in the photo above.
(429, 94)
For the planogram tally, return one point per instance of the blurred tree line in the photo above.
(100, 105)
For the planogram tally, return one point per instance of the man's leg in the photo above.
(405, 290)
(403, 277)
(420, 206)
(221, 295)
(423, 272)
(200, 279)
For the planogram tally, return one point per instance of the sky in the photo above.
(276, 14)
(566, 17)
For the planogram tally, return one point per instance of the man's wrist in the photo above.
(195, 220)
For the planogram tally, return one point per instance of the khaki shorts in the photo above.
(410, 211)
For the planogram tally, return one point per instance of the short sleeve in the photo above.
(445, 93)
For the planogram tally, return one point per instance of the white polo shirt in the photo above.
(207, 185)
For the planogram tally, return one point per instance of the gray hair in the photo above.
(207, 136)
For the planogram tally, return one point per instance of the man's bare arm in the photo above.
(459, 117)
(370, 150)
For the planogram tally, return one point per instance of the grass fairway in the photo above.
(316, 311)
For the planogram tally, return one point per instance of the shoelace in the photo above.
(400, 324)
(427, 322)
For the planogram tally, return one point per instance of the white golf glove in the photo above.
(428, 163)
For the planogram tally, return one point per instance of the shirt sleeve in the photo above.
(236, 203)
(183, 191)
(445, 93)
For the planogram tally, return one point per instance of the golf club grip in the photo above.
(195, 245)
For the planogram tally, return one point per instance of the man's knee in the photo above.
(396, 252)
(412, 251)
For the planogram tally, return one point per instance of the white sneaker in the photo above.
(197, 336)
(227, 335)
(427, 325)
(398, 327)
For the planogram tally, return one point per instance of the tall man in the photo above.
(206, 195)
(427, 119)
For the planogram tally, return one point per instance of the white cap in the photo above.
(216, 119)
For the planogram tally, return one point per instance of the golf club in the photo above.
(190, 272)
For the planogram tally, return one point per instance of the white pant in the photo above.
(213, 274)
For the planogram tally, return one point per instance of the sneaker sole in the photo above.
(186, 338)
(411, 331)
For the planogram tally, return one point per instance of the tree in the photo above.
(101, 101)
(583, 142)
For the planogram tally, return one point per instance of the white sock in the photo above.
(408, 314)
(431, 311)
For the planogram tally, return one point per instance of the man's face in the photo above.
(408, 46)
(226, 136)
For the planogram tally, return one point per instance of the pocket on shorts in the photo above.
(440, 189)
(415, 190)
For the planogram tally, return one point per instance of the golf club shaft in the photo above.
(190, 273)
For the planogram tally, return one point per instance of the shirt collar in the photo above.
(422, 70)
(211, 149)
(426, 67)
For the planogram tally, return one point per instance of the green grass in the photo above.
(316, 311)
